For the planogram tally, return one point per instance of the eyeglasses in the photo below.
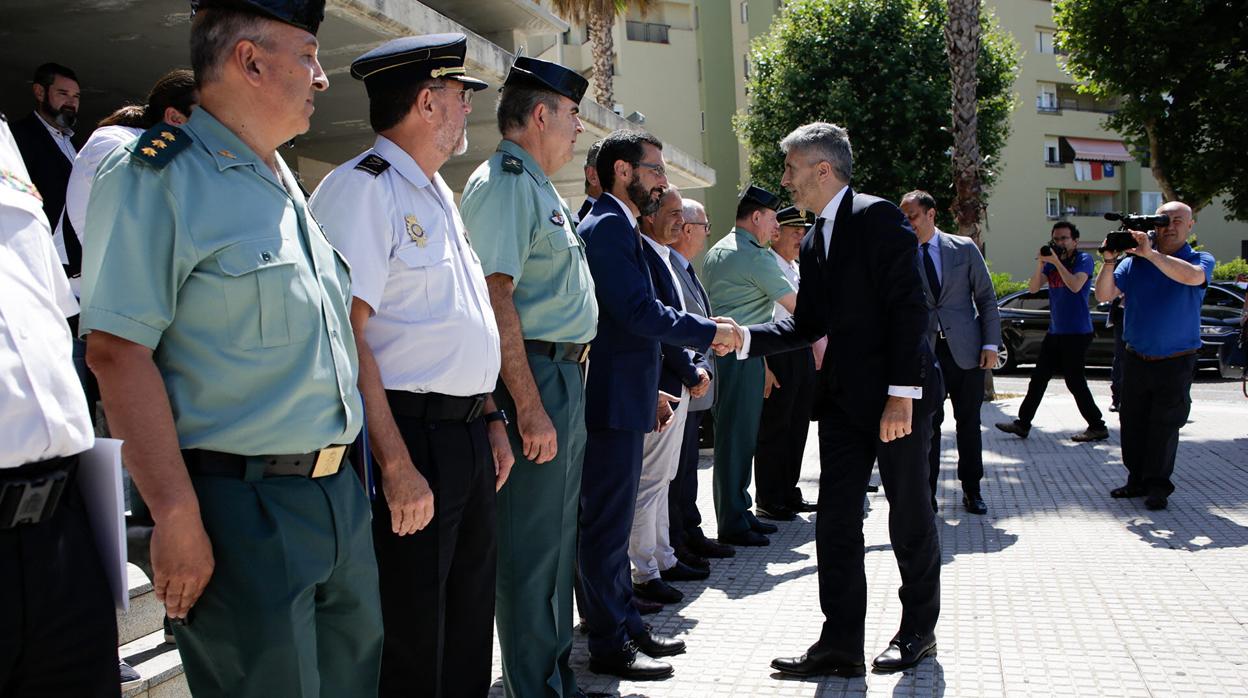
(658, 168)
(706, 225)
(465, 93)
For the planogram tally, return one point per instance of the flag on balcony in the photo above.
(1096, 170)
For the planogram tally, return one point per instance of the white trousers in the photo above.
(649, 545)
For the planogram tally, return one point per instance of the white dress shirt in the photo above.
(61, 138)
(793, 274)
(433, 328)
(665, 254)
(43, 412)
(829, 224)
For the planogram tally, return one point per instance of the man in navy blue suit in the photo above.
(622, 399)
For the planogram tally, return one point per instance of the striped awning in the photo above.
(1099, 150)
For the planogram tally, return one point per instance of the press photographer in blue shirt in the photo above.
(1165, 280)
(1067, 271)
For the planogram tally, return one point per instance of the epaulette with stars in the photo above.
(159, 144)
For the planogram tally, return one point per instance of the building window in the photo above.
(1046, 97)
(1051, 204)
(1150, 201)
(1044, 41)
(1051, 156)
(647, 31)
(745, 12)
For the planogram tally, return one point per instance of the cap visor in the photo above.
(474, 83)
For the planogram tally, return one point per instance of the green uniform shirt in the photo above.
(742, 279)
(197, 250)
(521, 227)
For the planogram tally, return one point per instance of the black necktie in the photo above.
(822, 248)
(930, 266)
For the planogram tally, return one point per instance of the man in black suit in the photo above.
(878, 390)
(593, 189)
(44, 138)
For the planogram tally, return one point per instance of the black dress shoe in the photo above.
(801, 505)
(658, 590)
(817, 662)
(1127, 492)
(697, 562)
(1016, 428)
(747, 538)
(658, 645)
(127, 672)
(905, 652)
(709, 548)
(645, 607)
(680, 572)
(758, 526)
(628, 663)
(775, 512)
(974, 503)
(1155, 502)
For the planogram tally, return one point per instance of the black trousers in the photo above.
(848, 449)
(58, 629)
(1064, 352)
(684, 519)
(437, 585)
(965, 388)
(783, 428)
(1156, 400)
(1120, 348)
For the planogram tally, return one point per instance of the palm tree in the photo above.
(962, 40)
(598, 16)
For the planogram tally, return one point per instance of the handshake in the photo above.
(728, 335)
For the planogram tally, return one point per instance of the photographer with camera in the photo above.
(1067, 271)
(1165, 280)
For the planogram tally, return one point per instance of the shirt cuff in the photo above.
(744, 352)
(912, 392)
(989, 347)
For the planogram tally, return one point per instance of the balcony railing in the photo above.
(647, 31)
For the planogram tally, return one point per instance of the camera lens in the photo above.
(1045, 251)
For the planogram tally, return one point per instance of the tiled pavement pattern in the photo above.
(1058, 591)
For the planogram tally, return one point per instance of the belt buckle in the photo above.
(584, 354)
(478, 406)
(38, 499)
(328, 460)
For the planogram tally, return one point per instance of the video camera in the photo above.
(1121, 239)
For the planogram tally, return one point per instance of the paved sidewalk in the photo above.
(1059, 590)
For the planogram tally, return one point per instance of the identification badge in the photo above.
(415, 232)
(329, 460)
(556, 217)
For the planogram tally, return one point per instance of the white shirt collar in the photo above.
(663, 250)
(829, 215)
(401, 161)
(55, 130)
(632, 220)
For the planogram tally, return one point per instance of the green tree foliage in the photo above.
(1230, 271)
(878, 68)
(1181, 70)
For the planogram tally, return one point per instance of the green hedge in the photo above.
(1227, 271)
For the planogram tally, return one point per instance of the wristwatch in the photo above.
(497, 416)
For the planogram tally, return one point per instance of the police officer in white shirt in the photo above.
(58, 631)
(429, 359)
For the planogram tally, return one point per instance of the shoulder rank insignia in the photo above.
(556, 217)
(415, 231)
(159, 144)
(512, 164)
(374, 164)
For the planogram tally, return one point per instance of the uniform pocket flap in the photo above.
(243, 258)
(561, 239)
(416, 256)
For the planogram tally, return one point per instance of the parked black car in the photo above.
(1025, 320)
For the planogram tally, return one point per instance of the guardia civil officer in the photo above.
(429, 358)
(543, 300)
(58, 631)
(216, 319)
(743, 283)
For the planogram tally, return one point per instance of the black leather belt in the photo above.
(436, 407)
(29, 494)
(1146, 357)
(558, 351)
(320, 463)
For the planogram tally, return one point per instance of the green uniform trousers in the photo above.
(738, 409)
(292, 607)
(537, 515)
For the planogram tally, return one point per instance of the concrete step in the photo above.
(159, 666)
(146, 614)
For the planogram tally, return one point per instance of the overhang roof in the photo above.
(1097, 149)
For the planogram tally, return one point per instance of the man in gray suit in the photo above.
(965, 333)
(684, 519)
